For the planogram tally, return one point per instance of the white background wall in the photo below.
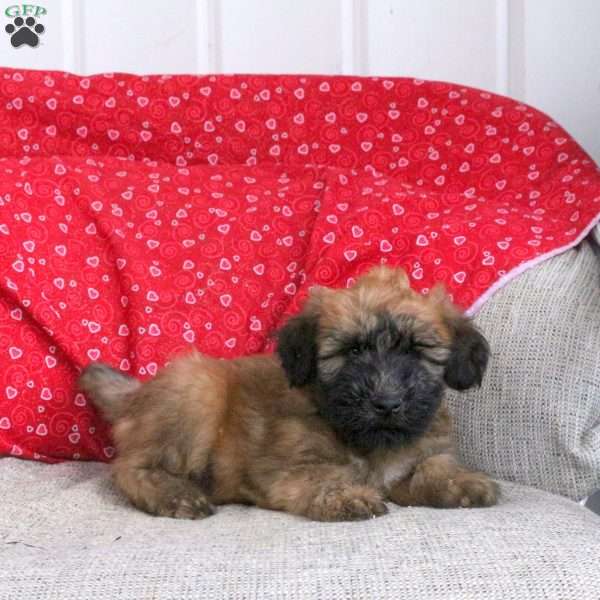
(545, 52)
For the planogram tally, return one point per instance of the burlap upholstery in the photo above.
(536, 418)
(65, 534)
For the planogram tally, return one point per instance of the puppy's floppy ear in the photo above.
(297, 349)
(469, 353)
(469, 350)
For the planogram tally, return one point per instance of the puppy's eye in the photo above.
(356, 350)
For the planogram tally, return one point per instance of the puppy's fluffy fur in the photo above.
(348, 415)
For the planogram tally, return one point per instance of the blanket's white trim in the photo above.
(476, 306)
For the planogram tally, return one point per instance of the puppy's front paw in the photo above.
(347, 503)
(183, 504)
(468, 490)
(441, 482)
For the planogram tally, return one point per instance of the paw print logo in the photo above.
(24, 31)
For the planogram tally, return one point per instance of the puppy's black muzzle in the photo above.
(381, 399)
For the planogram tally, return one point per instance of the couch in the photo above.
(534, 425)
(67, 534)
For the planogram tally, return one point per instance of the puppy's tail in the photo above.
(107, 389)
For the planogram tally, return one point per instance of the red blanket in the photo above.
(140, 216)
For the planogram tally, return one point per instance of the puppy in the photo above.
(350, 414)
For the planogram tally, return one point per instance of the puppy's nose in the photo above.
(385, 405)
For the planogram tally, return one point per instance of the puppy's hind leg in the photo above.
(158, 492)
(163, 430)
(157, 463)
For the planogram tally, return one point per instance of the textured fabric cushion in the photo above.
(536, 418)
(66, 535)
(595, 234)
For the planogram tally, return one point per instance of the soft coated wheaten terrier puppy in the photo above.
(349, 414)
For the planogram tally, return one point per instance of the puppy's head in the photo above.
(379, 355)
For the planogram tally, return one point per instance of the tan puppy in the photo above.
(349, 415)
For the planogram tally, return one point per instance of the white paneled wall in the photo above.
(279, 36)
(438, 39)
(145, 36)
(545, 52)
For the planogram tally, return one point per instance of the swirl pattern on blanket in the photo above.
(144, 215)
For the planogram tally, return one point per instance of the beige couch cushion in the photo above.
(536, 418)
(65, 534)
